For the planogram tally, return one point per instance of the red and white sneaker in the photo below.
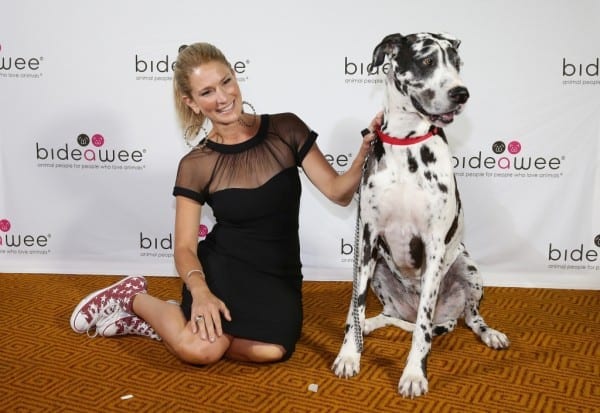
(105, 302)
(121, 323)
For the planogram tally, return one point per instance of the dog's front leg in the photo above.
(491, 337)
(413, 382)
(347, 363)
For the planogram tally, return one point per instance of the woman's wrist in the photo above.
(195, 280)
(197, 271)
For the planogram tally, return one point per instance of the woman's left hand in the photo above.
(369, 134)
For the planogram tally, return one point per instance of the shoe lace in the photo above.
(111, 312)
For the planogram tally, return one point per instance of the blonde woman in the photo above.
(242, 284)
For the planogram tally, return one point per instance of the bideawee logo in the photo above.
(505, 160)
(359, 73)
(586, 73)
(347, 250)
(582, 256)
(161, 246)
(81, 155)
(20, 66)
(339, 161)
(21, 243)
(160, 66)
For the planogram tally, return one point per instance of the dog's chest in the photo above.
(409, 184)
(410, 198)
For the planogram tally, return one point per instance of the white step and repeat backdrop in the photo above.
(89, 144)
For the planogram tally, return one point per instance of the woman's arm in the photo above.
(187, 219)
(338, 188)
(204, 303)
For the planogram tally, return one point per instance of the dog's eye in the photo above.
(428, 61)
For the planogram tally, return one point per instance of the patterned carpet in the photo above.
(553, 364)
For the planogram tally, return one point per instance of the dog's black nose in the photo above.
(458, 94)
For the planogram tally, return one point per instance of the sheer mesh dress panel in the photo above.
(281, 142)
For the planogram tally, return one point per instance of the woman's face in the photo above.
(215, 93)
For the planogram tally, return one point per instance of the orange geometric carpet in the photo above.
(553, 364)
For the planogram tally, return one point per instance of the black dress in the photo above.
(251, 257)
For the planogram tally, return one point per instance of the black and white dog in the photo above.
(410, 223)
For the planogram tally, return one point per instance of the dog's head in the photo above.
(425, 70)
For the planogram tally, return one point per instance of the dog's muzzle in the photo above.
(457, 95)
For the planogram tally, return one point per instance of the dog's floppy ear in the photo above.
(453, 40)
(385, 47)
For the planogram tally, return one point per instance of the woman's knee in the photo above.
(200, 352)
(270, 354)
(257, 352)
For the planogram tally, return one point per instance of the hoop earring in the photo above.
(243, 122)
(188, 132)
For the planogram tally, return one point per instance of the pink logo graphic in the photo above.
(202, 230)
(514, 147)
(4, 225)
(97, 140)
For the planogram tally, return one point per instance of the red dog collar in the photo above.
(407, 140)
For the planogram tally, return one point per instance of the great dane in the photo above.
(410, 219)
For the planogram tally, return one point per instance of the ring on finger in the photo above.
(199, 318)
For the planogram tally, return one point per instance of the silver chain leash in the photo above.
(358, 336)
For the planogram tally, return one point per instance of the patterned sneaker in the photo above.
(121, 323)
(103, 303)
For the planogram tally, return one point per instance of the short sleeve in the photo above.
(192, 176)
(312, 137)
(297, 134)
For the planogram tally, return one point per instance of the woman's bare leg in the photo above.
(254, 351)
(169, 322)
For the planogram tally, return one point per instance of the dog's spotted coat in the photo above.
(410, 214)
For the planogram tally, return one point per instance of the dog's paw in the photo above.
(495, 339)
(412, 384)
(346, 365)
(369, 327)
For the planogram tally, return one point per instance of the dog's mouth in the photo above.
(441, 118)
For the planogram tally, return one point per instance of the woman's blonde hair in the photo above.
(189, 58)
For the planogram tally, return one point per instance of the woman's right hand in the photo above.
(206, 315)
